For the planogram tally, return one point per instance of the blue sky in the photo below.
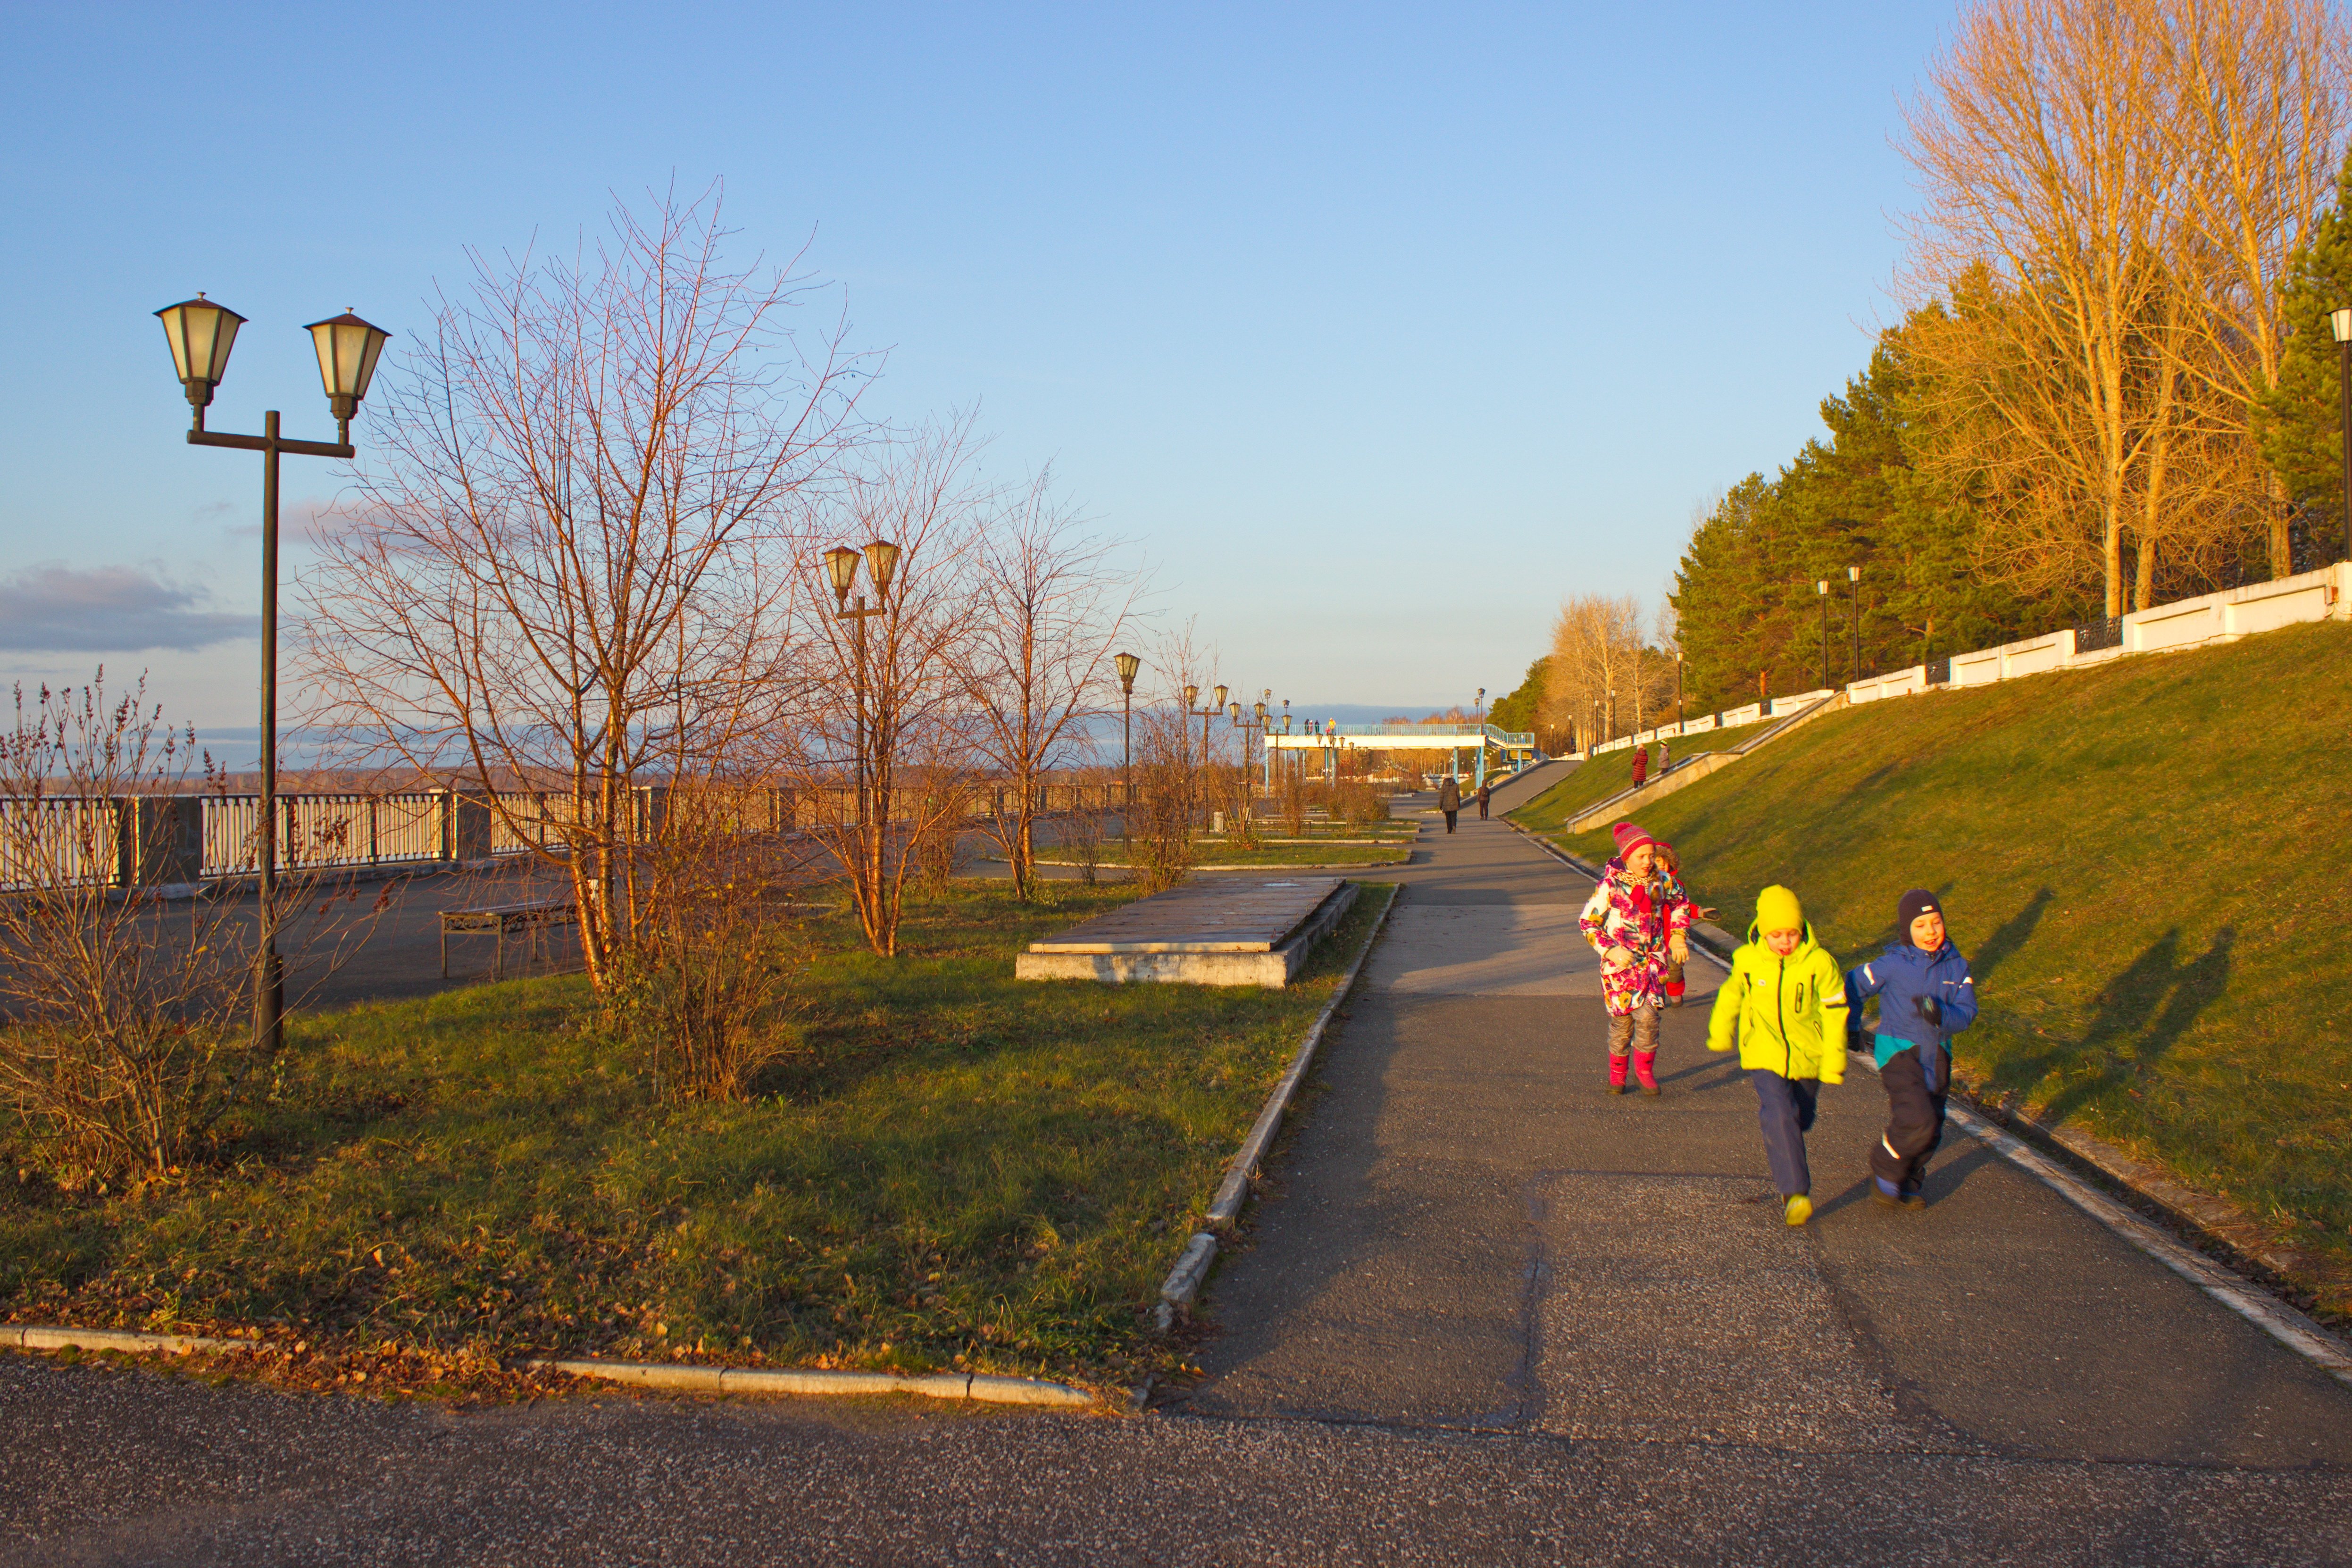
(1381, 330)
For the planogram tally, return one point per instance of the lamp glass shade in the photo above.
(1191, 695)
(1853, 573)
(1261, 712)
(1822, 585)
(348, 349)
(1234, 712)
(201, 335)
(1128, 665)
(841, 561)
(1220, 702)
(882, 560)
(2342, 322)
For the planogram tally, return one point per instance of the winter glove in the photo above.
(1615, 958)
(1929, 1009)
(1678, 948)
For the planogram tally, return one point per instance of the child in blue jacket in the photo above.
(1925, 995)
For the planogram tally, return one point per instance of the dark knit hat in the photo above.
(1630, 838)
(1917, 902)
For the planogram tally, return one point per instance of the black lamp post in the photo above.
(1853, 576)
(201, 335)
(1128, 665)
(2341, 321)
(1821, 588)
(881, 558)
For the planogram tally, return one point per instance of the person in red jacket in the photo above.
(1641, 764)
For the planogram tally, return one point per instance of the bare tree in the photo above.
(2039, 157)
(2256, 123)
(1595, 664)
(880, 749)
(571, 570)
(1048, 608)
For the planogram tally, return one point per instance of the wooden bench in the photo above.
(534, 920)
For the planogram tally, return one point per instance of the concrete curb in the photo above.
(977, 1386)
(2281, 1319)
(1182, 1286)
(45, 1337)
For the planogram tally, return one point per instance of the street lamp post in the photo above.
(1128, 665)
(2341, 321)
(881, 559)
(1853, 576)
(201, 335)
(1822, 587)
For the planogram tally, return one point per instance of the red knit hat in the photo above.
(1630, 838)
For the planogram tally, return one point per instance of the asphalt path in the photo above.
(1483, 1313)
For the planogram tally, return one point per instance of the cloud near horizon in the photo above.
(108, 609)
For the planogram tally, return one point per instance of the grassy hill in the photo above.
(2145, 864)
(1613, 771)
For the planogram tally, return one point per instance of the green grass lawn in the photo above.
(1210, 852)
(2143, 862)
(1591, 783)
(955, 1169)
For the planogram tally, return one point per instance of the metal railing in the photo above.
(75, 840)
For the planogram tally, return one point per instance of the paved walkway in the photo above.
(1485, 1314)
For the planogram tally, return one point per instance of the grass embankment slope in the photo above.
(955, 1169)
(2145, 863)
(1595, 781)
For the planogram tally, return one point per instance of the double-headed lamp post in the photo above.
(881, 558)
(2341, 322)
(1128, 665)
(201, 335)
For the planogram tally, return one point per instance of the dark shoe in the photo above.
(1615, 1087)
(1907, 1201)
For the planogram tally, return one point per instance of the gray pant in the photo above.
(1636, 1031)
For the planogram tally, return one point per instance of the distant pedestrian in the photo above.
(1485, 790)
(1641, 764)
(1663, 763)
(1925, 995)
(1449, 800)
(1783, 1005)
(1637, 926)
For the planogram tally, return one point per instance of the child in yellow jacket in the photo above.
(1784, 1005)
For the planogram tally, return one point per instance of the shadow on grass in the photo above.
(2142, 1014)
(2012, 935)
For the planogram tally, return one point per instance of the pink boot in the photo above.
(1616, 1075)
(1644, 1065)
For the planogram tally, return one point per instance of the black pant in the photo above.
(1914, 1116)
(1449, 816)
(1785, 1107)
(1482, 809)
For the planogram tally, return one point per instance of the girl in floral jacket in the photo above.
(1635, 919)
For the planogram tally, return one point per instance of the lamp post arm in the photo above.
(267, 444)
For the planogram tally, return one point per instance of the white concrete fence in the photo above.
(2208, 619)
(2322, 596)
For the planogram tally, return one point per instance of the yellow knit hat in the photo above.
(1776, 908)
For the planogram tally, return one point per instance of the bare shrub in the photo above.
(1361, 804)
(122, 1046)
(1082, 837)
(706, 989)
